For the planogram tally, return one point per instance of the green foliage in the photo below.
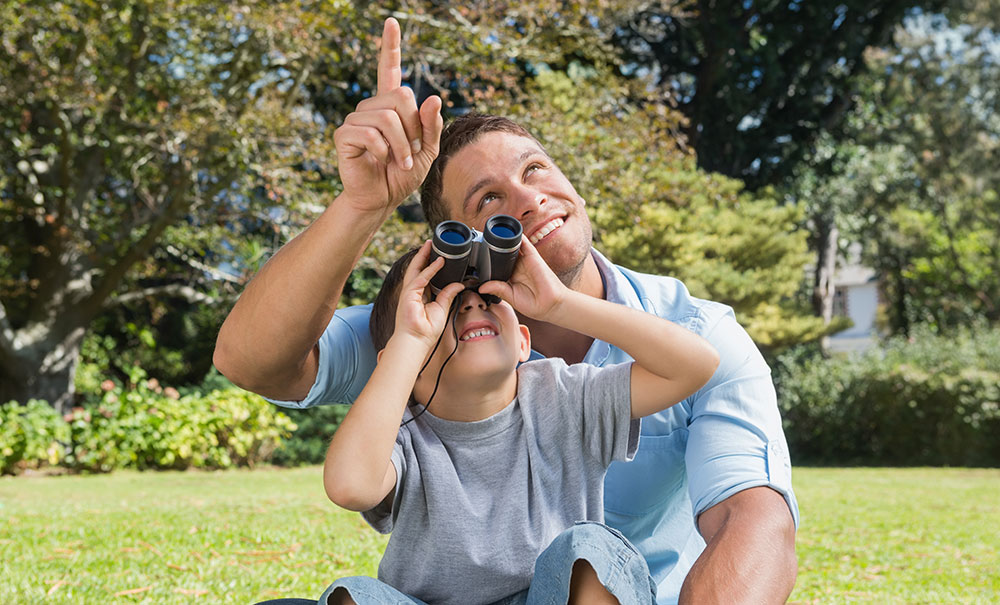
(141, 425)
(309, 442)
(654, 210)
(759, 81)
(931, 399)
(145, 426)
(913, 177)
(31, 436)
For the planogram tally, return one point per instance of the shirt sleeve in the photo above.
(605, 409)
(735, 440)
(346, 360)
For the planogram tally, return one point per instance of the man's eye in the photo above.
(486, 199)
(532, 168)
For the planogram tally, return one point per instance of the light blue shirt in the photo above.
(725, 438)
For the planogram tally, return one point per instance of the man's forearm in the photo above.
(289, 303)
(750, 552)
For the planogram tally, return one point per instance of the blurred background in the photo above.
(828, 169)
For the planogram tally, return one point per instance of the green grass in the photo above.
(867, 535)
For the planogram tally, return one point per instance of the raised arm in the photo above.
(384, 150)
(671, 362)
(358, 472)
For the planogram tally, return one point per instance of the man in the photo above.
(708, 499)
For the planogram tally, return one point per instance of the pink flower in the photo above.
(171, 393)
(107, 385)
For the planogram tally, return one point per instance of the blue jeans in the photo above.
(619, 566)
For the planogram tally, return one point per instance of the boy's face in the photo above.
(491, 342)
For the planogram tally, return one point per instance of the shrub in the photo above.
(32, 435)
(145, 426)
(308, 444)
(928, 400)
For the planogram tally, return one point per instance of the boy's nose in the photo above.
(470, 299)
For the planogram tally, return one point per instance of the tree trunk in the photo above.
(826, 266)
(44, 370)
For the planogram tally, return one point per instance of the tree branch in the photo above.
(171, 290)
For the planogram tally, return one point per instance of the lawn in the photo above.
(867, 535)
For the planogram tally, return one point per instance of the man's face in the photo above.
(491, 342)
(504, 173)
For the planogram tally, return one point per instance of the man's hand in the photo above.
(386, 146)
(416, 315)
(533, 289)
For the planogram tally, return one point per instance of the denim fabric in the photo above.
(618, 565)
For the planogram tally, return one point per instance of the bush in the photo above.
(145, 426)
(32, 436)
(928, 400)
(308, 444)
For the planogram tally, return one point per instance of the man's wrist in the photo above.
(362, 212)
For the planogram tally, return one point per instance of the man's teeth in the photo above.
(545, 230)
(479, 332)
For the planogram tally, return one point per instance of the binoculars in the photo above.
(471, 255)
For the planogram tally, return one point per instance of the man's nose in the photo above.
(471, 299)
(526, 201)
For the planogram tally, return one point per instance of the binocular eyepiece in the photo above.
(471, 255)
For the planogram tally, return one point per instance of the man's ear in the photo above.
(378, 356)
(525, 342)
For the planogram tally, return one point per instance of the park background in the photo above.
(153, 155)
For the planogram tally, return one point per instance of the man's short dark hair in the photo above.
(459, 133)
(382, 323)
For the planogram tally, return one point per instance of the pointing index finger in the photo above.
(390, 74)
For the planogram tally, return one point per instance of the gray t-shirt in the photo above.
(477, 502)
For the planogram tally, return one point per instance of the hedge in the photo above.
(932, 399)
(143, 426)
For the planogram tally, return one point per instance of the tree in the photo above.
(915, 177)
(130, 130)
(759, 81)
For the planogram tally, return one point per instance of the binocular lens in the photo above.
(503, 231)
(452, 236)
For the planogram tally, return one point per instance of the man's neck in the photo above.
(552, 341)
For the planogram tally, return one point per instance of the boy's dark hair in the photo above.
(459, 133)
(382, 323)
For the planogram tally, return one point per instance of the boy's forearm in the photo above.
(291, 300)
(360, 452)
(658, 345)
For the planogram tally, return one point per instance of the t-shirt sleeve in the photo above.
(735, 439)
(346, 360)
(603, 409)
(383, 516)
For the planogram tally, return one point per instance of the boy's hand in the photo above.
(386, 146)
(533, 289)
(416, 314)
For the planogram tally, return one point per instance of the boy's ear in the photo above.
(525, 342)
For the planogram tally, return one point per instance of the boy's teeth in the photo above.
(480, 332)
(547, 229)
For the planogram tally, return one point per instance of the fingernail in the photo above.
(407, 163)
(415, 145)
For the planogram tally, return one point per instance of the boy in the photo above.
(478, 486)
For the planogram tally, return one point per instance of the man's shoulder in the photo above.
(669, 298)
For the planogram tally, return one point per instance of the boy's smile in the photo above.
(481, 377)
